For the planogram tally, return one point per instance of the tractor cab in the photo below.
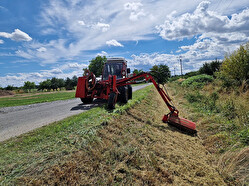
(115, 66)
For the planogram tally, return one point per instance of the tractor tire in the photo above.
(129, 92)
(87, 100)
(112, 101)
(123, 96)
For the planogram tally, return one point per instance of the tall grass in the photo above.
(229, 107)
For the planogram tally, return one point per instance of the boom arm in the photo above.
(171, 118)
(148, 76)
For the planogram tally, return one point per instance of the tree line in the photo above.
(49, 84)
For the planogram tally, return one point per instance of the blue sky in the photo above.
(57, 38)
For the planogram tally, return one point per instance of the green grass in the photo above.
(34, 98)
(37, 150)
(134, 85)
(223, 113)
(197, 81)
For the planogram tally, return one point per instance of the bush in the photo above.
(197, 81)
(236, 66)
(194, 97)
(210, 68)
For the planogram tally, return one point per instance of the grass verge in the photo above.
(35, 98)
(129, 146)
(34, 152)
(223, 124)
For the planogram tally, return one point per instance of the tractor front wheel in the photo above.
(123, 96)
(112, 100)
(87, 100)
(129, 92)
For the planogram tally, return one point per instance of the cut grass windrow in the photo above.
(41, 148)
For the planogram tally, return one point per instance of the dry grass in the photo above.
(6, 93)
(236, 164)
(135, 148)
(220, 129)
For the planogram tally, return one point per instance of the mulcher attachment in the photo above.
(181, 123)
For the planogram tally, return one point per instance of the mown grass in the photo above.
(132, 148)
(35, 98)
(37, 150)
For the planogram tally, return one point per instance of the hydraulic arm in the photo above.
(172, 117)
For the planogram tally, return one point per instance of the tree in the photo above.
(61, 83)
(136, 71)
(29, 85)
(54, 83)
(236, 66)
(210, 68)
(68, 84)
(161, 73)
(45, 84)
(96, 65)
(10, 87)
(75, 80)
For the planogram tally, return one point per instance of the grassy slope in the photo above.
(35, 98)
(36, 150)
(98, 147)
(222, 118)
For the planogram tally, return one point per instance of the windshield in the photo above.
(112, 69)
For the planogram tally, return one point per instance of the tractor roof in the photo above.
(116, 59)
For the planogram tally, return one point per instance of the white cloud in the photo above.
(1, 41)
(62, 71)
(41, 49)
(102, 26)
(136, 10)
(82, 23)
(103, 53)
(134, 6)
(113, 42)
(190, 62)
(135, 21)
(17, 35)
(203, 21)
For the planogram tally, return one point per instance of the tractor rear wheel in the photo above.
(123, 96)
(129, 92)
(112, 100)
(87, 100)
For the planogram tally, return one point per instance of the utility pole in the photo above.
(180, 58)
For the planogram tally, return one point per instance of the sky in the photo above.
(42, 39)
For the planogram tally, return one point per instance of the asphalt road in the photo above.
(21, 119)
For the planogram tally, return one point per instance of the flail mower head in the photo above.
(181, 123)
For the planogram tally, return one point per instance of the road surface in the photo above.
(21, 119)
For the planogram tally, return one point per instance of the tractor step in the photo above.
(181, 123)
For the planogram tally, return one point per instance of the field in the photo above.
(31, 98)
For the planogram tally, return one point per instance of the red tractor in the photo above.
(115, 85)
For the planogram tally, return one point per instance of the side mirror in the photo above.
(128, 70)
